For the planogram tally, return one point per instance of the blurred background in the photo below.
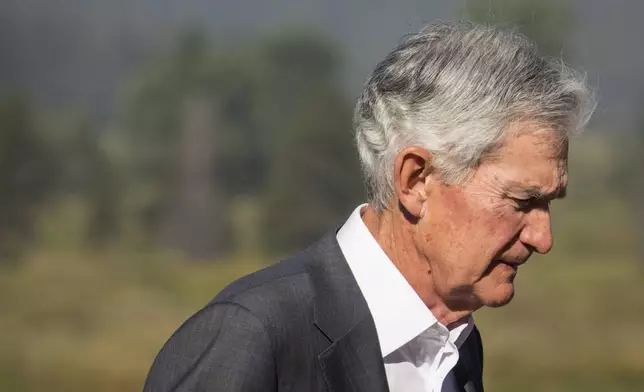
(152, 151)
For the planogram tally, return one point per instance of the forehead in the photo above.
(535, 161)
(533, 141)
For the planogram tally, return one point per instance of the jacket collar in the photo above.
(353, 360)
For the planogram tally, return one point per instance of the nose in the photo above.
(537, 233)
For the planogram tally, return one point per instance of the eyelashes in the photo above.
(530, 204)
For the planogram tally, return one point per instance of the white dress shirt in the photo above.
(418, 351)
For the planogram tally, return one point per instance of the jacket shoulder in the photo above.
(275, 293)
(262, 280)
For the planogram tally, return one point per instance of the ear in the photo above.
(411, 170)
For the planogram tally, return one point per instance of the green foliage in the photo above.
(295, 69)
(315, 179)
(281, 126)
(547, 22)
(85, 171)
(26, 176)
(45, 158)
(155, 124)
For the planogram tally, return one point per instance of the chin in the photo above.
(499, 297)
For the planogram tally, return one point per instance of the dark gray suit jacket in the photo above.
(301, 325)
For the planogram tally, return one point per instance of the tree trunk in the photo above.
(194, 220)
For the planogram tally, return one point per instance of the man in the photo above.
(463, 135)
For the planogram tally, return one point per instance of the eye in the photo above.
(531, 203)
(522, 204)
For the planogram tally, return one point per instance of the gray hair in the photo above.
(455, 89)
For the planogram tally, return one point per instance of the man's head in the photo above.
(463, 133)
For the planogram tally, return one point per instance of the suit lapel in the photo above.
(353, 361)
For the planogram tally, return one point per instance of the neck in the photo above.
(395, 235)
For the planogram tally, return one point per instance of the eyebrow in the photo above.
(534, 192)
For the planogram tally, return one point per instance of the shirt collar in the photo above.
(398, 312)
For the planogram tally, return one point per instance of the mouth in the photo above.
(514, 266)
(512, 263)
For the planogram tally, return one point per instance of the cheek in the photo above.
(486, 235)
(499, 227)
(464, 236)
(485, 241)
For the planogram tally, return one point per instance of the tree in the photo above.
(189, 127)
(269, 122)
(194, 216)
(26, 176)
(315, 177)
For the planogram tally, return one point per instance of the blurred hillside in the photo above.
(153, 151)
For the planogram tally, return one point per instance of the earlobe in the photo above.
(422, 196)
(412, 169)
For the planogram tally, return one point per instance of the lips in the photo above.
(513, 263)
(514, 266)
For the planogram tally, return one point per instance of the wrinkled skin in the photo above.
(475, 236)
(460, 246)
